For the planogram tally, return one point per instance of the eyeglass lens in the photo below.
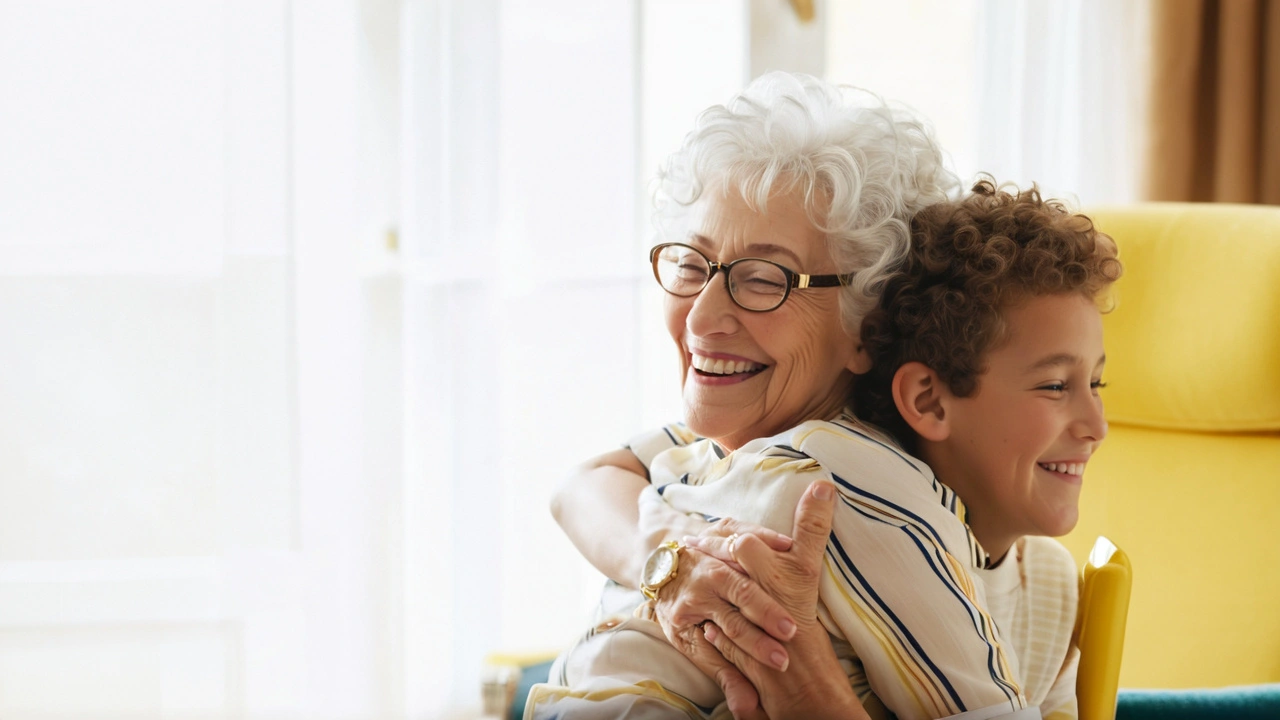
(753, 284)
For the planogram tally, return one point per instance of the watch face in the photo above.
(659, 565)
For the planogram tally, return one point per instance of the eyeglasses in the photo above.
(754, 284)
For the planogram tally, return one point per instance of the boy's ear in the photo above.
(921, 398)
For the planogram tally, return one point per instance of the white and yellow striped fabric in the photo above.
(901, 595)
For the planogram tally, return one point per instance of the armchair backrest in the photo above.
(1188, 481)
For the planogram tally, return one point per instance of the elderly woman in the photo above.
(797, 195)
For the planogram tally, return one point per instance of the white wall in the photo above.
(519, 285)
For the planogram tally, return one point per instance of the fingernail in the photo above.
(823, 491)
(787, 629)
(779, 659)
(689, 541)
(710, 632)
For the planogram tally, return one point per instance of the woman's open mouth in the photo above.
(719, 367)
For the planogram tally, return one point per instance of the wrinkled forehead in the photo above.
(726, 225)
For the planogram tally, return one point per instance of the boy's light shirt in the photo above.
(1034, 596)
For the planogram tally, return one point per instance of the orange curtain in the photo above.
(1215, 101)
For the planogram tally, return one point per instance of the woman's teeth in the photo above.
(723, 367)
(1065, 468)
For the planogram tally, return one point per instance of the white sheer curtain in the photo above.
(189, 526)
(1061, 95)
(532, 338)
(1050, 92)
(519, 278)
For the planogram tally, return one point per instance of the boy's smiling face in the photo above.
(1017, 447)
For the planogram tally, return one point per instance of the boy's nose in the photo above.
(1091, 422)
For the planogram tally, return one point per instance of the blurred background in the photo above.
(306, 306)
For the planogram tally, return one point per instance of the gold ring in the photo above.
(733, 547)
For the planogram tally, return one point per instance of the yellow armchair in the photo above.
(1188, 481)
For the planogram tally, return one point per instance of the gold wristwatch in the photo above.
(660, 568)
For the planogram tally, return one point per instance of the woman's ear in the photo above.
(921, 398)
(859, 362)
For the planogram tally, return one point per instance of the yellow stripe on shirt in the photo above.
(909, 671)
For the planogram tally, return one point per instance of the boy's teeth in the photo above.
(1067, 468)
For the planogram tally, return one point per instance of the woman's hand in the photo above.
(814, 685)
(708, 589)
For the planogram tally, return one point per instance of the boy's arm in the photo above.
(599, 508)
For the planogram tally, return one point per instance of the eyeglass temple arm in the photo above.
(808, 281)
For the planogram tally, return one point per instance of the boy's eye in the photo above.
(1054, 387)
(1097, 384)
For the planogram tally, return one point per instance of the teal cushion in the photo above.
(1245, 702)
(530, 675)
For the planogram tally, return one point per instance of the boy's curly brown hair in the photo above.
(970, 261)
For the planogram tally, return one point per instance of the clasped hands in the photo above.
(743, 609)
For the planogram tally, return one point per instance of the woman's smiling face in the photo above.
(749, 375)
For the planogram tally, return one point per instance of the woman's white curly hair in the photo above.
(864, 167)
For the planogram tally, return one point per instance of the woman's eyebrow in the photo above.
(696, 239)
(756, 249)
(771, 249)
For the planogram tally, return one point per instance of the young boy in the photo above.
(987, 353)
(987, 359)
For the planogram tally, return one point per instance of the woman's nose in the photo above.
(713, 311)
